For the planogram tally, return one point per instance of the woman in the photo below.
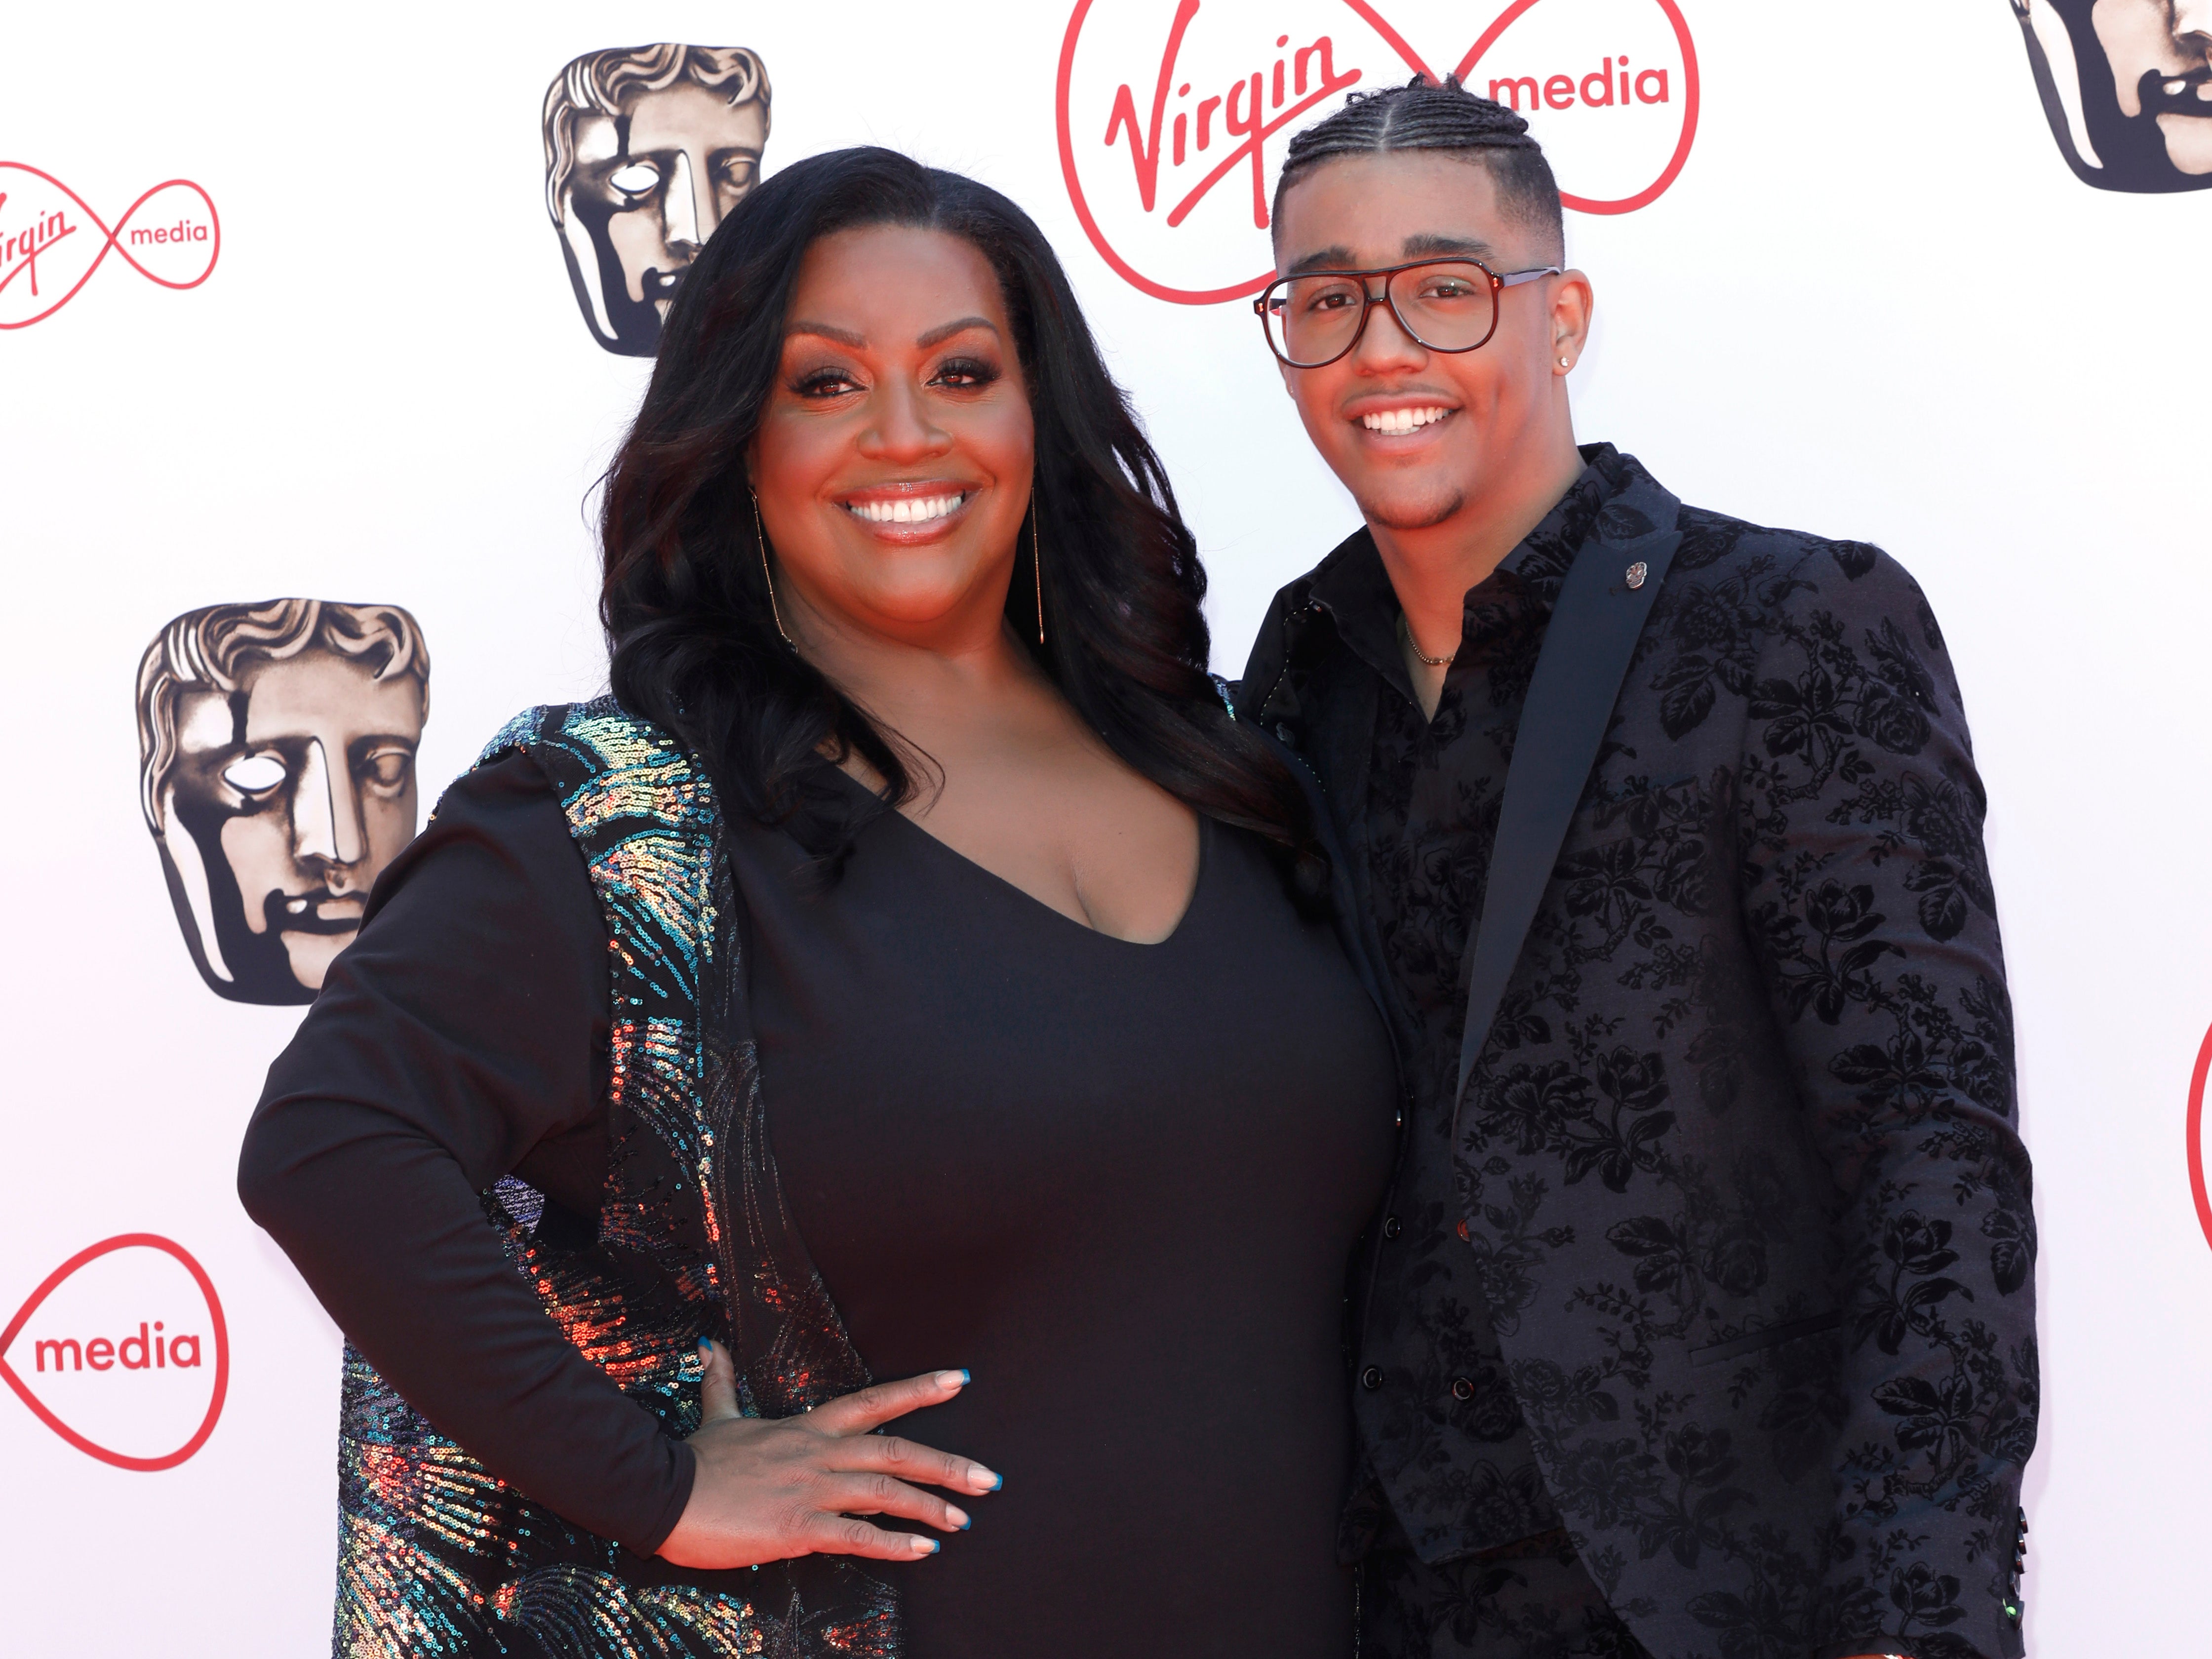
(914, 842)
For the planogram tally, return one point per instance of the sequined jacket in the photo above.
(436, 1555)
(1737, 1164)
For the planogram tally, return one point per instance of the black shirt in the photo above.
(1440, 1421)
(1118, 1183)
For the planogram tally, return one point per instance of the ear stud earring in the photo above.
(1563, 362)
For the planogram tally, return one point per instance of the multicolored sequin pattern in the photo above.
(439, 1558)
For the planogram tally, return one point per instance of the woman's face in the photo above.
(892, 459)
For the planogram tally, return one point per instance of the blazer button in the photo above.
(1391, 1228)
(1461, 1389)
(1372, 1377)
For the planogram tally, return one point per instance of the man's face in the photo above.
(296, 790)
(2160, 54)
(650, 186)
(1478, 409)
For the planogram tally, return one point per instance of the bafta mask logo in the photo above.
(2127, 87)
(647, 150)
(277, 769)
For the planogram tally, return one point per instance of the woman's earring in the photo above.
(760, 536)
(1563, 362)
(1037, 565)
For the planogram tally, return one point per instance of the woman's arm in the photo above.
(462, 1037)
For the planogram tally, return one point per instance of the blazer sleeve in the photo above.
(459, 1039)
(1868, 898)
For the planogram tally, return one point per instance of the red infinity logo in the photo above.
(1244, 113)
(87, 1356)
(46, 259)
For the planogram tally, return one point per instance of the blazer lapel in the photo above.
(1588, 645)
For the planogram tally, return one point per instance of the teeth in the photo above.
(1398, 421)
(906, 509)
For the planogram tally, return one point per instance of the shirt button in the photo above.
(1461, 1389)
(1372, 1377)
(1390, 1227)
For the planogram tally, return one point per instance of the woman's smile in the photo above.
(909, 512)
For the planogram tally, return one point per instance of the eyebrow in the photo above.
(942, 332)
(945, 331)
(1327, 258)
(1471, 247)
(1427, 245)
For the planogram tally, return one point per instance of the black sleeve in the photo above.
(461, 1038)
(1868, 901)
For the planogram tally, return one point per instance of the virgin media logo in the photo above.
(51, 242)
(1173, 114)
(122, 1351)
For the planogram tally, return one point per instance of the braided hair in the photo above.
(1423, 115)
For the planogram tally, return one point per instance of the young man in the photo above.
(1701, 1322)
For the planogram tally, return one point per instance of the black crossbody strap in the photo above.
(1587, 647)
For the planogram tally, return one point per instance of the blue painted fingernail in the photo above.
(707, 1344)
(965, 1377)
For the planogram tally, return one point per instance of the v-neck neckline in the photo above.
(1206, 832)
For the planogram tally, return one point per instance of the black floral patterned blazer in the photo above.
(1738, 1161)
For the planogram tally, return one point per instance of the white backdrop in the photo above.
(1873, 304)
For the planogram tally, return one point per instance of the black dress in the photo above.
(1120, 1184)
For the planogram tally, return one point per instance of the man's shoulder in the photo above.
(1723, 544)
(1773, 573)
(1749, 608)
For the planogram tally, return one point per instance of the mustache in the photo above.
(2186, 97)
(277, 912)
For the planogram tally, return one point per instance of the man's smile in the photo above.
(1397, 421)
(1399, 415)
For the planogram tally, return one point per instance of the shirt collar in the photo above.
(1355, 589)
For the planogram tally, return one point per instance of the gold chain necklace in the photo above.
(1406, 634)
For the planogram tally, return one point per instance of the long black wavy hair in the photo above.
(693, 640)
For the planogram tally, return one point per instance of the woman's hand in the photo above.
(768, 1489)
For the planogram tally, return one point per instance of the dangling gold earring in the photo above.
(1036, 566)
(760, 536)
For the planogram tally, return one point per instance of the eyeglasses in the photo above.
(1446, 305)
